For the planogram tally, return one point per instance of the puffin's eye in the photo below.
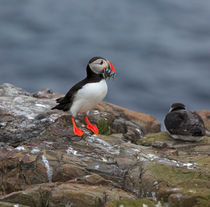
(101, 63)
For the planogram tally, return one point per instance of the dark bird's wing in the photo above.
(64, 103)
(174, 121)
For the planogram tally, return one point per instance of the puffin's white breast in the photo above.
(88, 96)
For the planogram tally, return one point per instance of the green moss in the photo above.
(131, 203)
(203, 163)
(191, 198)
(150, 139)
(203, 201)
(104, 126)
(196, 191)
(172, 175)
(5, 204)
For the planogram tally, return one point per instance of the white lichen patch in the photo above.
(171, 162)
(26, 106)
(49, 143)
(192, 191)
(178, 195)
(97, 167)
(189, 165)
(104, 159)
(144, 205)
(155, 182)
(98, 140)
(3, 124)
(53, 117)
(158, 204)
(48, 168)
(96, 112)
(27, 114)
(139, 131)
(176, 189)
(35, 150)
(135, 150)
(42, 105)
(20, 148)
(16, 205)
(152, 156)
(70, 151)
(86, 176)
(102, 145)
(154, 198)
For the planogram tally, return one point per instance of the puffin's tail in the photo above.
(62, 105)
(59, 100)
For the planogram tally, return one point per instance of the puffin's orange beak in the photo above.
(110, 66)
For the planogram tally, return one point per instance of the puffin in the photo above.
(87, 93)
(184, 124)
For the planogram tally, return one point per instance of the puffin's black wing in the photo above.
(66, 101)
(198, 127)
(174, 121)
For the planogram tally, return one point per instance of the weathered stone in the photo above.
(34, 197)
(6, 204)
(133, 203)
(72, 194)
(150, 124)
(85, 195)
(44, 93)
(205, 115)
(131, 131)
(8, 90)
(42, 163)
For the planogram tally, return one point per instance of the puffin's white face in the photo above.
(98, 65)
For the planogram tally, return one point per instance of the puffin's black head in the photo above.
(99, 65)
(177, 106)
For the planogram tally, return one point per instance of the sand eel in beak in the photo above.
(184, 124)
(87, 93)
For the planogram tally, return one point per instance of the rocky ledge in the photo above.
(130, 164)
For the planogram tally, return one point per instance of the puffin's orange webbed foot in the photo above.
(76, 130)
(91, 127)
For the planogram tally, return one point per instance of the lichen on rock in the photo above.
(130, 163)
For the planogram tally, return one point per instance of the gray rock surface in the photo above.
(42, 163)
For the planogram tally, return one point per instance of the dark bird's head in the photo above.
(99, 65)
(177, 106)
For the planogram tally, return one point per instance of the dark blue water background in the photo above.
(160, 48)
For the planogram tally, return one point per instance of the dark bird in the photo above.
(87, 93)
(184, 124)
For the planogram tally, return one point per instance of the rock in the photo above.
(8, 90)
(85, 195)
(130, 130)
(44, 93)
(149, 123)
(42, 163)
(132, 203)
(182, 167)
(25, 116)
(205, 115)
(64, 194)
(6, 204)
